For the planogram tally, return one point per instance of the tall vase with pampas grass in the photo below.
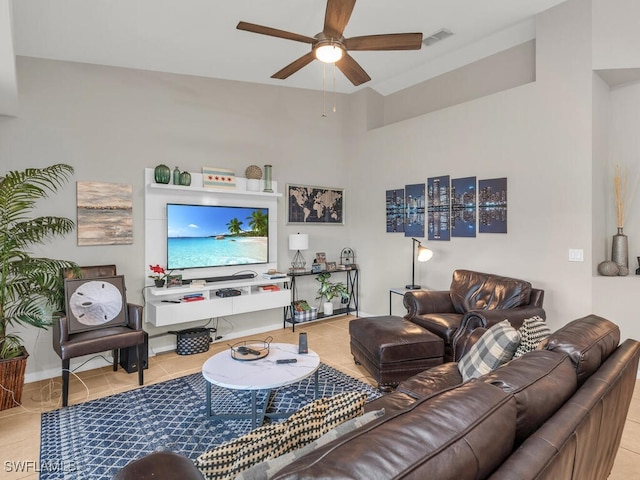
(620, 242)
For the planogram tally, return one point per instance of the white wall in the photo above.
(615, 34)
(8, 83)
(537, 135)
(111, 123)
(615, 47)
(613, 297)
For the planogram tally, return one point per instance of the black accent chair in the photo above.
(70, 345)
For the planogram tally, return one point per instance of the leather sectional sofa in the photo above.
(555, 413)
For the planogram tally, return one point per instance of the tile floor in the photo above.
(20, 426)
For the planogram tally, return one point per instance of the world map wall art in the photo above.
(307, 204)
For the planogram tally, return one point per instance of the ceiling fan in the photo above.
(330, 46)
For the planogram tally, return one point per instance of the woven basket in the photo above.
(12, 378)
(193, 340)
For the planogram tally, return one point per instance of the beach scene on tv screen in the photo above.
(213, 236)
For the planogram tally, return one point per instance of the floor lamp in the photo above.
(424, 254)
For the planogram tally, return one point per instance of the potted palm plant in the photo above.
(30, 287)
(329, 290)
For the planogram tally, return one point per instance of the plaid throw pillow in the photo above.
(494, 348)
(275, 439)
(532, 332)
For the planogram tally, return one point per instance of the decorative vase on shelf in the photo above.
(185, 179)
(267, 179)
(620, 249)
(608, 269)
(159, 282)
(162, 174)
(327, 308)
(176, 176)
(254, 175)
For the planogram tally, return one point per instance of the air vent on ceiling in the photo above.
(436, 37)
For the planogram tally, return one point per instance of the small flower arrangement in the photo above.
(159, 274)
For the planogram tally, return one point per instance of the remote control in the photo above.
(287, 360)
(246, 350)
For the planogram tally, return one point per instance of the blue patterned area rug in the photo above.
(95, 439)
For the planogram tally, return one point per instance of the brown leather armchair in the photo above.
(473, 300)
(70, 345)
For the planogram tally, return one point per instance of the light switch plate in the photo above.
(576, 255)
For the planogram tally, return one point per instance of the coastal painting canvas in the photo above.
(105, 213)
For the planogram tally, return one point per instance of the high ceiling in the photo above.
(199, 37)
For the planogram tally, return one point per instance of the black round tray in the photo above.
(249, 350)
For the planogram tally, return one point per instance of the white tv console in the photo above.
(162, 311)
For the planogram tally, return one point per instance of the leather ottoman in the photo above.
(393, 349)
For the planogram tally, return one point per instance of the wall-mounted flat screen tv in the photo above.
(201, 236)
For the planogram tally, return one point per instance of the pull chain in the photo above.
(334, 88)
(324, 91)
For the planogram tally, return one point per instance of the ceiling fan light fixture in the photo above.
(329, 52)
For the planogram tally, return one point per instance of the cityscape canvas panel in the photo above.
(414, 209)
(439, 204)
(395, 210)
(463, 207)
(492, 205)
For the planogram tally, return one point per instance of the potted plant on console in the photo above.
(30, 287)
(329, 290)
(159, 275)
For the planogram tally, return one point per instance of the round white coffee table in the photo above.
(261, 374)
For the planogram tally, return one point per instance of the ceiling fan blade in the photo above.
(337, 16)
(294, 66)
(352, 70)
(391, 41)
(274, 32)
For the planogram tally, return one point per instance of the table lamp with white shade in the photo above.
(298, 242)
